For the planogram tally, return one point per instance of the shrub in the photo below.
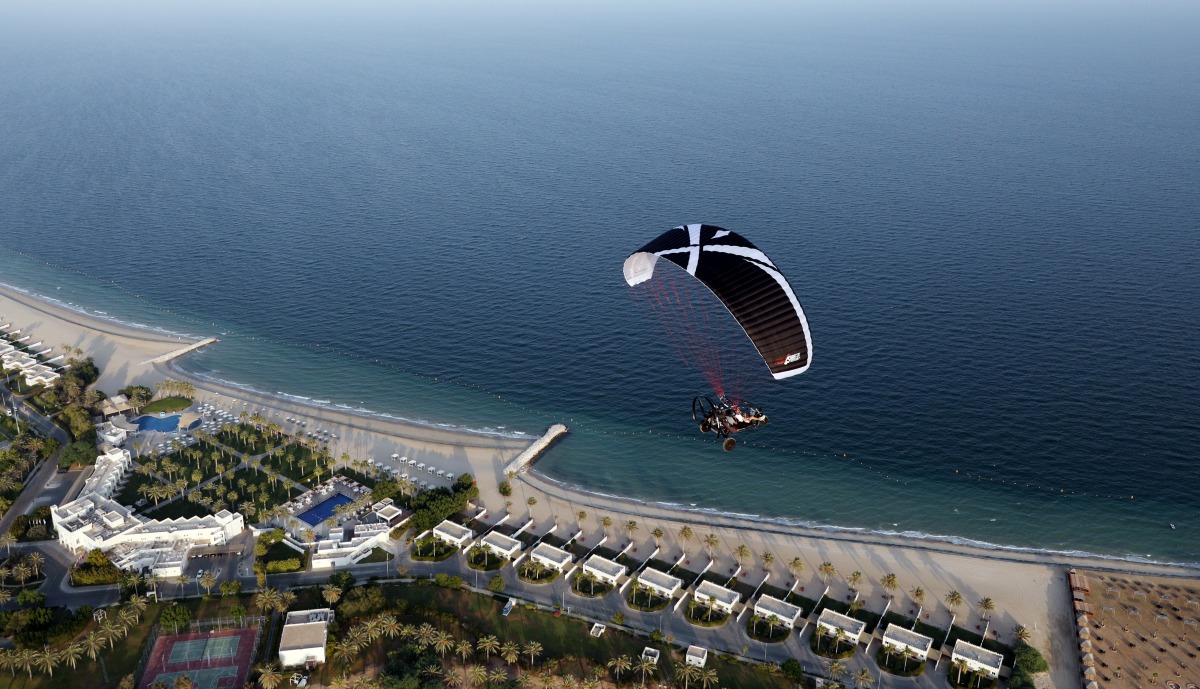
(618, 618)
(450, 581)
(505, 489)
(792, 669)
(95, 569)
(290, 564)
(496, 584)
(30, 598)
(78, 453)
(175, 615)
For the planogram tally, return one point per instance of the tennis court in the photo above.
(217, 659)
(204, 649)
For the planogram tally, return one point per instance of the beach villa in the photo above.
(114, 406)
(554, 558)
(720, 598)
(604, 570)
(901, 639)
(696, 656)
(786, 614)
(500, 545)
(831, 621)
(305, 633)
(661, 584)
(452, 534)
(977, 658)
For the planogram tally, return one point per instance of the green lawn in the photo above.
(245, 439)
(167, 405)
(179, 508)
(129, 495)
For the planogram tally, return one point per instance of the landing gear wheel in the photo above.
(704, 427)
(729, 444)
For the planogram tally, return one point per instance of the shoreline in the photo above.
(405, 429)
(1028, 587)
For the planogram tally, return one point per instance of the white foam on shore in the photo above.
(858, 530)
(98, 315)
(344, 408)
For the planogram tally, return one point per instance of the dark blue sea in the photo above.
(990, 214)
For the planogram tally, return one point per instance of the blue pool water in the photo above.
(162, 424)
(324, 510)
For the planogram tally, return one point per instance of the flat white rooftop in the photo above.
(604, 566)
(708, 589)
(549, 553)
(659, 581)
(773, 606)
(978, 654)
(899, 635)
(832, 618)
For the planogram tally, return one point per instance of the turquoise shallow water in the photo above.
(992, 228)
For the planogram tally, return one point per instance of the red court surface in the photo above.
(212, 659)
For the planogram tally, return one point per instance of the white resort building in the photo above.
(977, 658)
(785, 613)
(902, 639)
(604, 570)
(831, 621)
(721, 598)
(109, 434)
(697, 656)
(554, 558)
(94, 521)
(663, 585)
(500, 545)
(305, 633)
(452, 534)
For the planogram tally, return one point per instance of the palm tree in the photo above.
(854, 580)
(7, 540)
(93, 642)
(534, 649)
(619, 665)
(646, 665)
(918, 594)
(657, 533)
(954, 599)
(208, 580)
(906, 655)
(688, 673)
(708, 678)
(986, 606)
(826, 571)
(864, 678)
(477, 675)
(71, 653)
(889, 583)
(464, 649)
(332, 594)
(443, 642)
(489, 645)
(768, 559)
(837, 670)
(510, 652)
(742, 554)
(961, 666)
(35, 560)
(269, 676)
(631, 527)
(685, 536)
(1021, 635)
(796, 567)
(888, 650)
(498, 676)
(606, 522)
(344, 652)
(710, 543)
(531, 501)
(46, 660)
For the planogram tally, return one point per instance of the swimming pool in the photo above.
(162, 424)
(323, 510)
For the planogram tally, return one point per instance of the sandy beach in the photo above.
(1027, 588)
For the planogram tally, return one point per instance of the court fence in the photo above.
(219, 624)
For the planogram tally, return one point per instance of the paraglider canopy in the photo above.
(748, 284)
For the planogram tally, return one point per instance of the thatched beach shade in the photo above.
(1091, 685)
(1081, 621)
(1088, 659)
(1085, 646)
(1085, 633)
(1089, 673)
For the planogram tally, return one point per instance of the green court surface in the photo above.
(204, 649)
(202, 679)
